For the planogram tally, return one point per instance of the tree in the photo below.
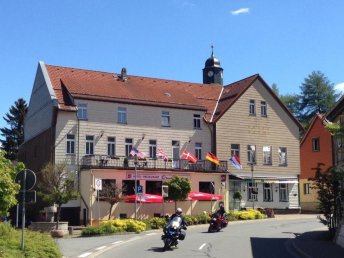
(14, 135)
(327, 184)
(317, 95)
(291, 101)
(8, 187)
(110, 193)
(178, 189)
(56, 186)
(275, 89)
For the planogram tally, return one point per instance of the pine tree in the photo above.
(317, 95)
(14, 135)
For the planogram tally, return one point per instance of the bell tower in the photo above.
(212, 71)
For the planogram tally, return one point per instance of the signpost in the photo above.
(98, 186)
(27, 180)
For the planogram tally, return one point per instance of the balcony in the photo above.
(129, 163)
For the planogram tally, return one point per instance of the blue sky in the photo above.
(283, 41)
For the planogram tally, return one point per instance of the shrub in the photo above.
(203, 218)
(232, 216)
(156, 223)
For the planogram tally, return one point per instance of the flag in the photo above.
(136, 152)
(161, 154)
(187, 155)
(235, 161)
(212, 158)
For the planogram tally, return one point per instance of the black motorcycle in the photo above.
(173, 233)
(217, 222)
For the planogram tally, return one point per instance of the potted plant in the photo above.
(237, 195)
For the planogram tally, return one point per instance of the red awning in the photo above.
(200, 196)
(144, 198)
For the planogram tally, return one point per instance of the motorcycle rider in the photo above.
(220, 214)
(179, 213)
(221, 211)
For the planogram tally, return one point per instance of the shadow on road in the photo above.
(269, 247)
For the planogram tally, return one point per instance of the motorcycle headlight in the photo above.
(174, 227)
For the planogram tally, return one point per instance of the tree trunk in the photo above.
(111, 205)
(58, 216)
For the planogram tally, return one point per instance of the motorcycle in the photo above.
(173, 233)
(217, 222)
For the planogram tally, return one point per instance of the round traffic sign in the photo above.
(26, 178)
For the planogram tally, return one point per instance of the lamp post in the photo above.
(135, 163)
(252, 188)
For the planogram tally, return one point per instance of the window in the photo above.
(128, 146)
(122, 115)
(283, 192)
(197, 121)
(152, 149)
(206, 187)
(251, 154)
(153, 187)
(282, 155)
(128, 187)
(111, 146)
(252, 191)
(263, 108)
(252, 107)
(307, 188)
(175, 153)
(89, 145)
(235, 150)
(108, 188)
(198, 150)
(82, 111)
(267, 193)
(316, 144)
(70, 144)
(165, 118)
(267, 155)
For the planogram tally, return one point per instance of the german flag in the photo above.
(212, 158)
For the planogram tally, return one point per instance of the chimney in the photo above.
(124, 74)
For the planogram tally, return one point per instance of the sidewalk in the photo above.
(317, 244)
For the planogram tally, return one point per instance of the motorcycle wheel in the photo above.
(167, 244)
(210, 229)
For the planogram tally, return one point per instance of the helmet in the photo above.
(179, 211)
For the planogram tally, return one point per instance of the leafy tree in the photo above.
(178, 189)
(14, 135)
(291, 101)
(8, 187)
(275, 89)
(327, 184)
(317, 95)
(56, 186)
(111, 193)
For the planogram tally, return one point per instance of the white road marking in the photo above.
(117, 242)
(101, 247)
(151, 234)
(84, 255)
(200, 248)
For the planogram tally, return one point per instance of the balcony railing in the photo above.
(120, 162)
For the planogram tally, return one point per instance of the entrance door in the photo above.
(175, 154)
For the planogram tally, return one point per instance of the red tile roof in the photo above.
(104, 86)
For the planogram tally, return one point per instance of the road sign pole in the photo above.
(135, 161)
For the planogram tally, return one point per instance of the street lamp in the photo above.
(252, 188)
(135, 163)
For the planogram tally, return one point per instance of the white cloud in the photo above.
(240, 11)
(339, 87)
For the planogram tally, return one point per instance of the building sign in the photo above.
(154, 176)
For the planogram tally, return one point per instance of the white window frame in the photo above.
(111, 146)
(282, 156)
(122, 115)
(152, 149)
(251, 196)
(252, 107)
(235, 150)
(263, 109)
(128, 145)
(198, 150)
(283, 192)
(82, 111)
(267, 192)
(197, 121)
(70, 144)
(251, 154)
(306, 188)
(165, 118)
(267, 155)
(89, 145)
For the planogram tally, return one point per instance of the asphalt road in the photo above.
(259, 238)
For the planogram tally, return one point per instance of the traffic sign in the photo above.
(164, 191)
(26, 178)
(98, 184)
(30, 197)
(139, 189)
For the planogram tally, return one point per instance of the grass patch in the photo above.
(37, 245)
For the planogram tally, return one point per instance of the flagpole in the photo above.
(135, 163)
